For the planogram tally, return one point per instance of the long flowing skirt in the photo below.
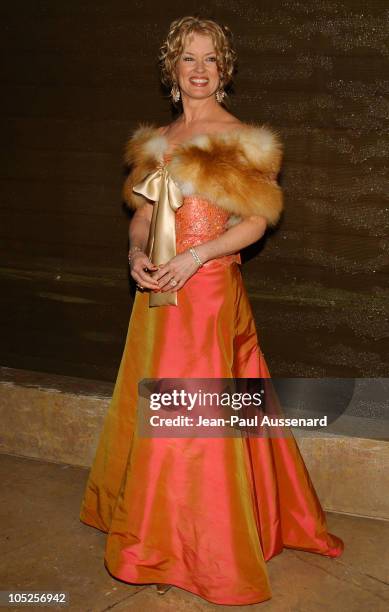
(203, 514)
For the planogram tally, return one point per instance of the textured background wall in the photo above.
(77, 76)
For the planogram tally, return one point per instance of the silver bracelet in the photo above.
(133, 250)
(196, 257)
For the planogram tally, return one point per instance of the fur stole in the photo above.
(235, 170)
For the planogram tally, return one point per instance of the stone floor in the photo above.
(46, 547)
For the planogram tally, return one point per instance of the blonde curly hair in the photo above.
(173, 46)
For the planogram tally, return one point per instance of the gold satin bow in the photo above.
(159, 187)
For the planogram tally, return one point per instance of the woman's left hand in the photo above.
(179, 268)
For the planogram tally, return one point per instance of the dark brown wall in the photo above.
(76, 78)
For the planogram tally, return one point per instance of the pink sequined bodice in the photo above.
(197, 221)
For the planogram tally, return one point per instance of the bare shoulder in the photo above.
(176, 132)
(172, 131)
(233, 124)
(225, 121)
(163, 129)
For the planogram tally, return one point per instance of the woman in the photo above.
(203, 514)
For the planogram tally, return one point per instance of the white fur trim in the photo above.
(233, 220)
(156, 147)
(258, 143)
(187, 188)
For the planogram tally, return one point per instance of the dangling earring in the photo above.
(175, 92)
(220, 92)
(220, 95)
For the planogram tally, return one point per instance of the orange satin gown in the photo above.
(203, 514)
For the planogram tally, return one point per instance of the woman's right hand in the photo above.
(138, 263)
